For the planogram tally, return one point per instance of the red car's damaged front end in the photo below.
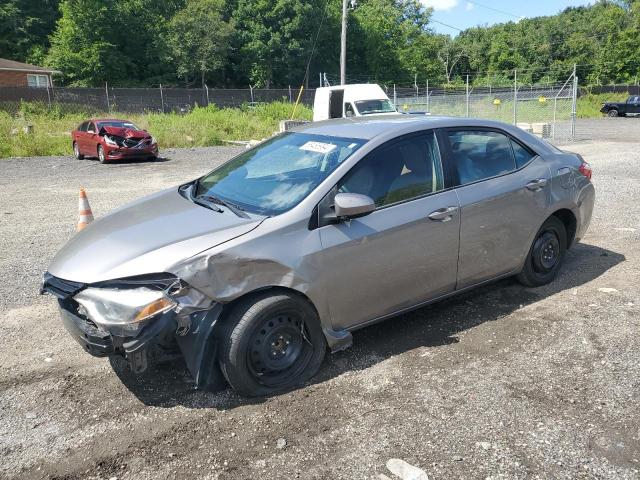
(111, 140)
(122, 142)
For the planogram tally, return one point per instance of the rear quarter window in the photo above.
(522, 155)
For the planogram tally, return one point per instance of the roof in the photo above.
(12, 65)
(369, 127)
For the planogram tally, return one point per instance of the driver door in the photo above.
(403, 253)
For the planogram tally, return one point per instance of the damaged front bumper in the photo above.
(191, 327)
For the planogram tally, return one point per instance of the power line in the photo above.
(313, 48)
(519, 17)
(445, 24)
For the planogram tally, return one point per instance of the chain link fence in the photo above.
(548, 111)
(142, 100)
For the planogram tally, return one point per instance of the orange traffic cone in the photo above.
(85, 215)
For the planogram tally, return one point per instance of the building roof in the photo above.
(13, 66)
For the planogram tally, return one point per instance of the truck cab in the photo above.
(351, 101)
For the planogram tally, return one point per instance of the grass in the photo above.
(206, 126)
(203, 126)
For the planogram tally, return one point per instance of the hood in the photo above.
(146, 236)
(125, 132)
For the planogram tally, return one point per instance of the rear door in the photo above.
(336, 98)
(80, 136)
(403, 253)
(503, 189)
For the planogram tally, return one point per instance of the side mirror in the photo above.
(349, 114)
(353, 205)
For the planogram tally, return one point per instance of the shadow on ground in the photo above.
(169, 384)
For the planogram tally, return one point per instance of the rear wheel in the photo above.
(76, 151)
(101, 155)
(612, 113)
(272, 342)
(546, 254)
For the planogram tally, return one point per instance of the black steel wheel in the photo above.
(271, 343)
(545, 255)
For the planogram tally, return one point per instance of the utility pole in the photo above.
(343, 45)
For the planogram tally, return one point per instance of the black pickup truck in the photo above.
(630, 107)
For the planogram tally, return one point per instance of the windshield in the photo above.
(118, 124)
(279, 173)
(369, 107)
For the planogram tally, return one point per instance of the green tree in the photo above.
(119, 41)
(25, 26)
(198, 38)
(273, 40)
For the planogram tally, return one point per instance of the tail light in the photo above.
(585, 168)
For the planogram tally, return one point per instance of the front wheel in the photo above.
(271, 343)
(101, 156)
(612, 113)
(545, 255)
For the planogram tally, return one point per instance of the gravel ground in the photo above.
(500, 383)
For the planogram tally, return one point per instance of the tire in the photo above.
(101, 155)
(76, 152)
(545, 255)
(270, 344)
(612, 113)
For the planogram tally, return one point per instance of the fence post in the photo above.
(415, 84)
(251, 90)
(515, 96)
(428, 96)
(467, 96)
(395, 103)
(290, 98)
(574, 104)
(106, 91)
(48, 95)
(207, 90)
(161, 98)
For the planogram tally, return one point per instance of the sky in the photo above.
(469, 13)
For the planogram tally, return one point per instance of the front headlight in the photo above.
(110, 141)
(119, 307)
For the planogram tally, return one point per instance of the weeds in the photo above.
(203, 126)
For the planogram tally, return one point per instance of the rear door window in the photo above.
(480, 154)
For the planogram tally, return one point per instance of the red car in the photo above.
(112, 140)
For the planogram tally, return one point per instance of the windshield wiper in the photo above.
(234, 208)
(209, 205)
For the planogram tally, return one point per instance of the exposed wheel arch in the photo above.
(275, 289)
(568, 218)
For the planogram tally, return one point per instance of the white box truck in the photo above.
(351, 101)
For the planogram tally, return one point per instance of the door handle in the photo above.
(537, 184)
(443, 214)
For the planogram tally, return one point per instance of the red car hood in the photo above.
(126, 132)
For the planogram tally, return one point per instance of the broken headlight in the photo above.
(110, 141)
(121, 307)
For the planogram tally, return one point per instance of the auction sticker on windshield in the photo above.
(318, 147)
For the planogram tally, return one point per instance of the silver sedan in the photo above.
(255, 269)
